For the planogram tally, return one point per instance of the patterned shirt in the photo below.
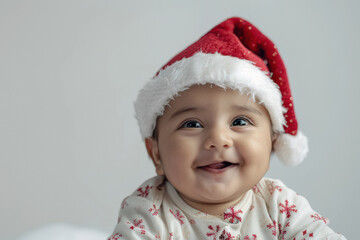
(269, 210)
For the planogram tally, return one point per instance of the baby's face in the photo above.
(213, 145)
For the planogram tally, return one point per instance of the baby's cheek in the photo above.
(176, 174)
(173, 162)
(253, 151)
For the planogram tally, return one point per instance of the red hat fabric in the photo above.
(237, 55)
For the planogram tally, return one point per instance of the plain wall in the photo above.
(70, 70)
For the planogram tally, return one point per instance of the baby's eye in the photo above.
(191, 124)
(240, 122)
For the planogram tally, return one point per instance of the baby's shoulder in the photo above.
(283, 203)
(149, 192)
(291, 211)
(270, 188)
(146, 198)
(140, 212)
(150, 189)
(274, 192)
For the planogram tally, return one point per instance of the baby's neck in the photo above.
(215, 209)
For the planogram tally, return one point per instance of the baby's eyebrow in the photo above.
(246, 109)
(183, 110)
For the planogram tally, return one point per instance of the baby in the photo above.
(211, 118)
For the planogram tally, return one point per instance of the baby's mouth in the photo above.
(218, 167)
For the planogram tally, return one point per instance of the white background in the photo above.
(70, 149)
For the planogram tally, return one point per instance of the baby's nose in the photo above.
(218, 139)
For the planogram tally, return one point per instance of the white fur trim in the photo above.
(202, 68)
(291, 150)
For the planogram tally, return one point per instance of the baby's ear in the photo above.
(152, 148)
(274, 137)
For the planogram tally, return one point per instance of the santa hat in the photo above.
(235, 55)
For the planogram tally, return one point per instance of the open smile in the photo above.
(218, 167)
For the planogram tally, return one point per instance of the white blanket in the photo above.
(64, 232)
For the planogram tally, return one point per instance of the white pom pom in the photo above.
(291, 150)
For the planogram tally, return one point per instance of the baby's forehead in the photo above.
(201, 96)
